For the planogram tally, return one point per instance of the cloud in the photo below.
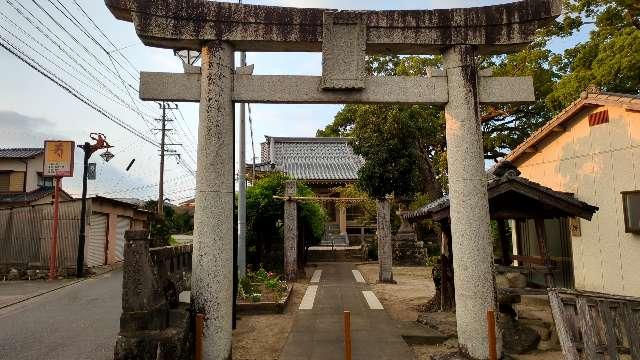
(24, 131)
(19, 130)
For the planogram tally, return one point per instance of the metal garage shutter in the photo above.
(97, 240)
(124, 224)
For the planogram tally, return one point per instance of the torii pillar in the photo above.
(345, 38)
(472, 246)
(212, 290)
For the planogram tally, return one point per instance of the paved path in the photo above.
(13, 292)
(78, 322)
(317, 332)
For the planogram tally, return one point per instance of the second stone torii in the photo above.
(218, 29)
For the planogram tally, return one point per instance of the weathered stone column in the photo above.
(342, 211)
(212, 282)
(472, 245)
(291, 232)
(385, 246)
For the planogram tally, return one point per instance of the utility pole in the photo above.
(88, 149)
(242, 187)
(163, 144)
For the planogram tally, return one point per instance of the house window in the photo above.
(45, 181)
(5, 181)
(631, 205)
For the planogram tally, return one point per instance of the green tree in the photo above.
(174, 221)
(265, 216)
(609, 59)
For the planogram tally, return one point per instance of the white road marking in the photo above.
(358, 275)
(372, 300)
(316, 276)
(309, 298)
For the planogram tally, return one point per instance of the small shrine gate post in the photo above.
(217, 29)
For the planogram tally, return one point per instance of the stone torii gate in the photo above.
(217, 29)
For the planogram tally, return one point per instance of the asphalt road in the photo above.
(78, 322)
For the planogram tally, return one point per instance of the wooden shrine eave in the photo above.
(186, 24)
(516, 198)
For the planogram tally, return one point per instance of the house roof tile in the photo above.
(314, 158)
(20, 153)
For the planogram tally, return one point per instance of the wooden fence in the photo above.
(594, 326)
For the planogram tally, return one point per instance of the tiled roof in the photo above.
(315, 158)
(34, 195)
(20, 153)
(593, 99)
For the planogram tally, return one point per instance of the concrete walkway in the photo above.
(318, 326)
(78, 322)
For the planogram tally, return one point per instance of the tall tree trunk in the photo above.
(430, 184)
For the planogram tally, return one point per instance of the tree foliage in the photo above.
(609, 59)
(265, 220)
(175, 221)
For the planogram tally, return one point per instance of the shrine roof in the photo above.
(303, 158)
(514, 197)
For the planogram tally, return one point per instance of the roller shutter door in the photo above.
(124, 224)
(97, 241)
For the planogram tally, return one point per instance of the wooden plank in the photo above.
(632, 328)
(587, 327)
(537, 260)
(566, 340)
(525, 269)
(609, 328)
(520, 291)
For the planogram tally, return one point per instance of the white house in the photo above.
(592, 150)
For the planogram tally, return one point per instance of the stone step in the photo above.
(337, 255)
(415, 333)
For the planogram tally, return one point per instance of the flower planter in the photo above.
(268, 305)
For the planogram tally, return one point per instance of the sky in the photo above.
(32, 108)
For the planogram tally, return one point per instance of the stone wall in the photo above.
(154, 324)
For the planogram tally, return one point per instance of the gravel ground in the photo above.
(264, 336)
(402, 301)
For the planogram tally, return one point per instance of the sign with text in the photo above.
(58, 158)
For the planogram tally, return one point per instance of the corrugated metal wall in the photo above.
(124, 224)
(97, 240)
(25, 235)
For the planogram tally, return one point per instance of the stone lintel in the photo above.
(180, 24)
(306, 89)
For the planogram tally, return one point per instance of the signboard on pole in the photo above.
(58, 158)
(91, 171)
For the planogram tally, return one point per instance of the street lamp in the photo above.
(100, 143)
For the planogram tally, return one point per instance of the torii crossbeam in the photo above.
(218, 29)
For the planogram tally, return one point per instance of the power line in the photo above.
(65, 52)
(8, 46)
